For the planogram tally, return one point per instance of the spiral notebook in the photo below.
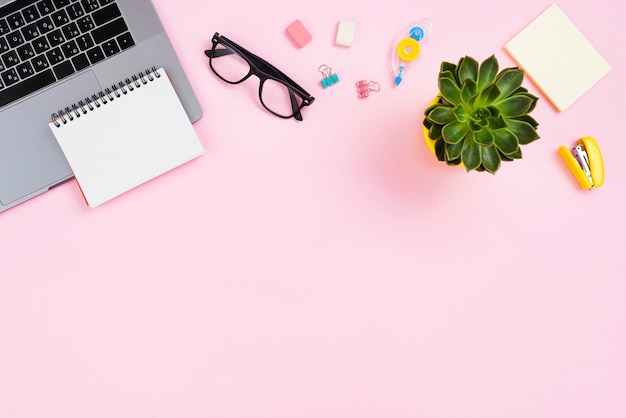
(124, 136)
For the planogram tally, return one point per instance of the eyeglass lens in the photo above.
(274, 95)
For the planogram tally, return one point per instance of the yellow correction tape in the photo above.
(408, 49)
(585, 162)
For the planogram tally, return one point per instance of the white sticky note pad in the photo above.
(345, 33)
(558, 57)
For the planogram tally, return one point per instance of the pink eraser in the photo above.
(298, 34)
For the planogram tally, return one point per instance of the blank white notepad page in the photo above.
(129, 140)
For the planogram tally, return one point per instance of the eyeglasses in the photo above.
(278, 93)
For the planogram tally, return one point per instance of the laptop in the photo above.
(54, 53)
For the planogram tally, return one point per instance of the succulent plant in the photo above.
(481, 116)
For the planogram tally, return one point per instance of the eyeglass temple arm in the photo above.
(216, 53)
(294, 105)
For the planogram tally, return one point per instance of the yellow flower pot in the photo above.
(429, 142)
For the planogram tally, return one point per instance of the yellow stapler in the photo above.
(585, 162)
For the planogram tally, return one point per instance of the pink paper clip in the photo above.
(363, 88)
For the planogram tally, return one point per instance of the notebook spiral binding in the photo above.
(64, 116)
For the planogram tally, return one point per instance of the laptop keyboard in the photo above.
(47, 40)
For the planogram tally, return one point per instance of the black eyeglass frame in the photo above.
(264, 71)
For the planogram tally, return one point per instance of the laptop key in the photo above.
(4, 46)
(30, 13)
(85, 42)
(41, 44)
(106, 14)
(61, 3)
(4, 27)
(109, 30)
(110, 47)
(90, 5)
(45, 25)
(30, 31)
(10, 59)
(55, 56)
(69, 49)
(40, 63)
(10, 77)
(45, 7)
(80, 61)
(16, 20)
(25, 52)
(63, 69)
(25, 70)
(60, 18)
(56, 37)
(70, 31)
(125, 41)
(85, 24)
(15, 39)
(95, 54)
(75, 11)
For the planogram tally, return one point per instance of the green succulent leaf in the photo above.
(453, 151)
(529, 119)
(484, 137)
(470, 154)
(440, 149)
(488, 72)
(450, 90)
(509, 80)
(474, 126)
(468, 90)
(454, 132)
(442, 115)
(461, 113)
(505, 157)
(490, 159)
(495, 112)
(516, 155)
(434, 132)
(447, 66)
(467, 70)
(535, 99)
(505, 141)
(431, 107)
(513, 156)
(524, 131)
(497, 123)
(489, 95)
(515, 105)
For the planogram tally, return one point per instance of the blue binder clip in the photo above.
(329, 78)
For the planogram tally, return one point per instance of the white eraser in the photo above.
(345, 32)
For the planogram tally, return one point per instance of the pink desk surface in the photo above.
(332, 268)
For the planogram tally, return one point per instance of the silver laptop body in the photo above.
(104, 42)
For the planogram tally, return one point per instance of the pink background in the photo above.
(333, 268)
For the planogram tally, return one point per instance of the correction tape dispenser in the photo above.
(407, 46)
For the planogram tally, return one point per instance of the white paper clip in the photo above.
(363, 88)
